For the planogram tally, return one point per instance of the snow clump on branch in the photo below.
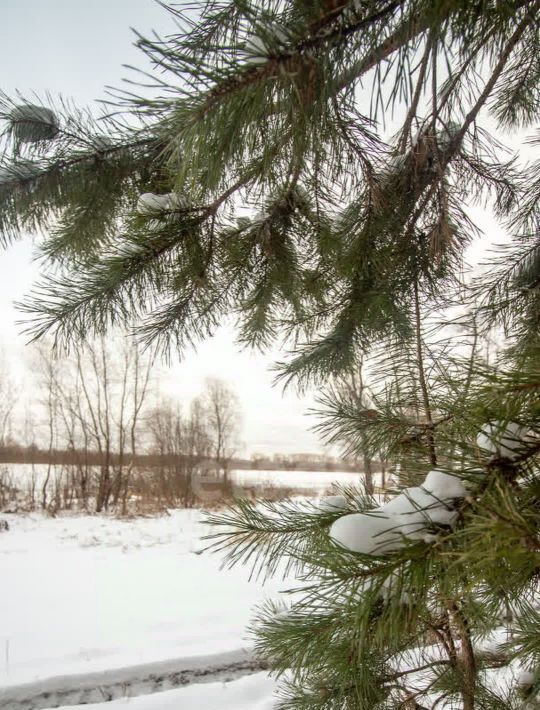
(267, 42)
(152, 204)
(332, 504)
(21, 170)
(31, 124)
(413, 514)
(502, 439)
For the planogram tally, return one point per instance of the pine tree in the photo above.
(260, 182)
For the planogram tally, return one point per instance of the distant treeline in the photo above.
(15, 454)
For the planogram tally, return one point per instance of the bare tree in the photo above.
(198, 446)
(7, 401)
(93, 403)
(134, 388)
(165, 427)
(222, 412)
(48, 379)
(182, 443)
(358, 392)
(28, 439)
(115, 391)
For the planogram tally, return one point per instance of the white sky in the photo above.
(76, 47)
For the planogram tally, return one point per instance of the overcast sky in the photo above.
(76, 47)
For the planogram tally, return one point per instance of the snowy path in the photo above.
(82, 595)
(253, 692)
(129, 682)
(95, 609)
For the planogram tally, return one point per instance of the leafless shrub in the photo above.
(8, 490)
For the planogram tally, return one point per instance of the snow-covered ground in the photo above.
(95, 608)
(82, 595)
(112, 614)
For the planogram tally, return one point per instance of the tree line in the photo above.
(97, 417)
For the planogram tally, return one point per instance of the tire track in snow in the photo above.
(132, 681)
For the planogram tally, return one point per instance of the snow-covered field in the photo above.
(313, 480)
(85, 595)
(22, 475)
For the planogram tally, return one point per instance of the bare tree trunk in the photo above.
(368, 476)
(467, 662)
(101, 421)
(7, 402)
(118, 480)
(95, 430)
(140, 392)
(107, 426)
(222, 413)
(51, 408)
(383, 472)
(85, 470)
(423, 380)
